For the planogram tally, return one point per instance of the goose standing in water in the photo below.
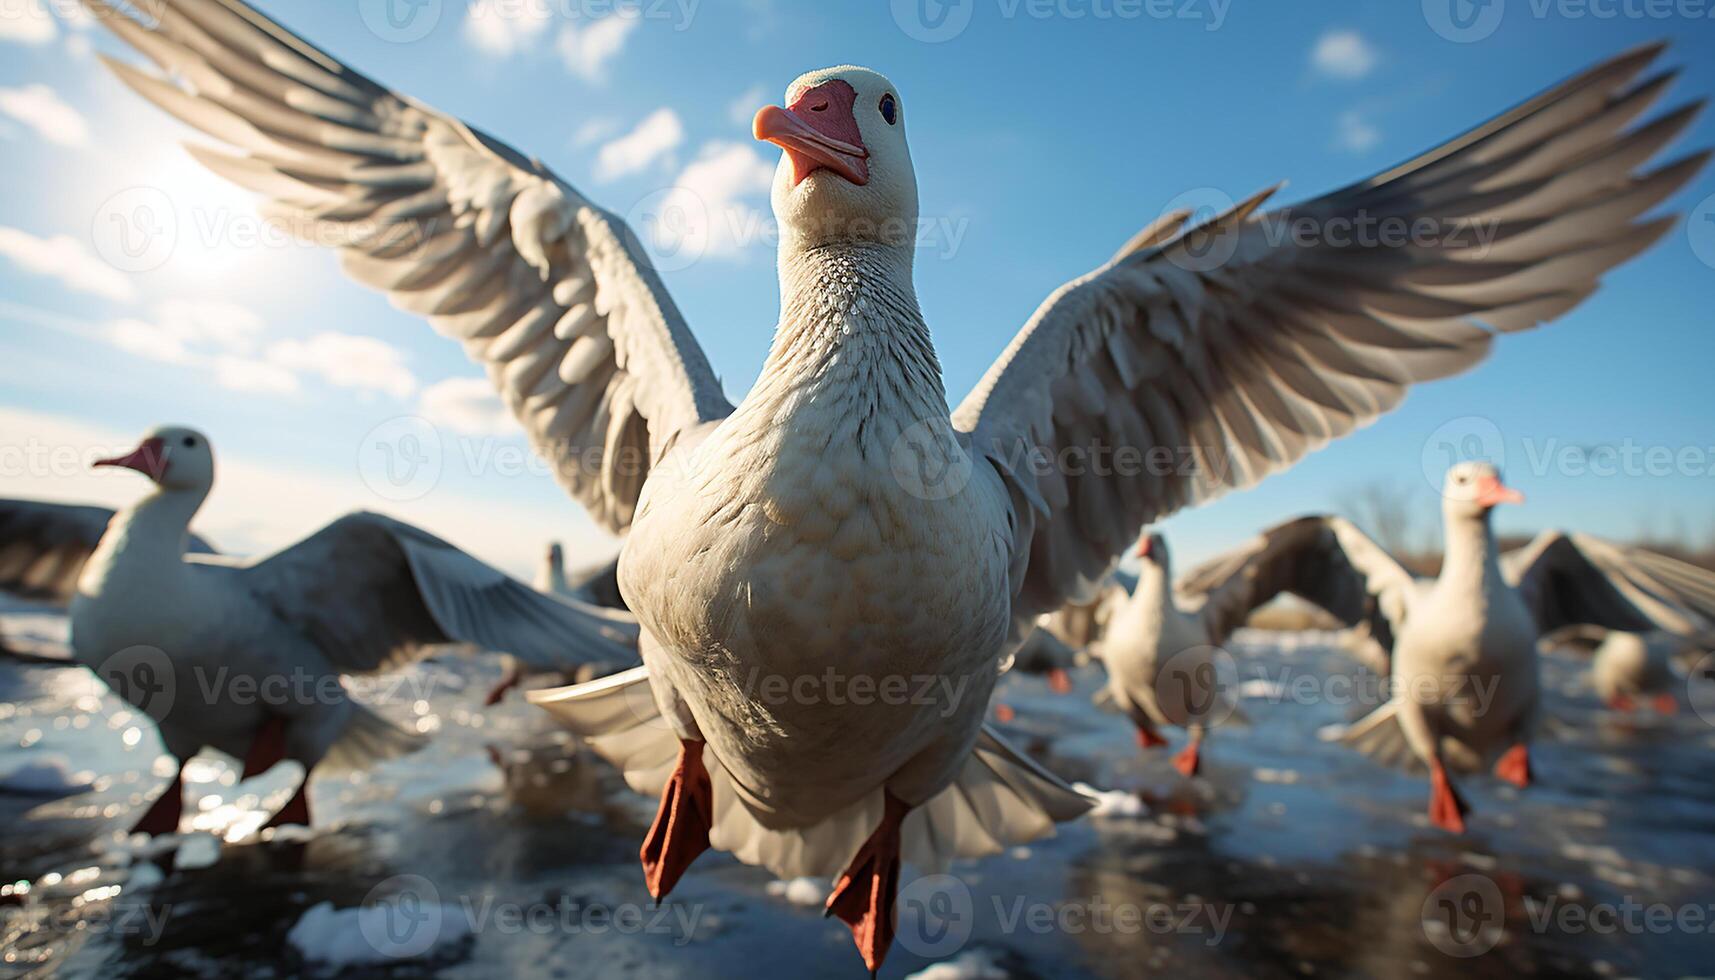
(263, 643)
(1462, 646)
(840, 528)
(1632, 668)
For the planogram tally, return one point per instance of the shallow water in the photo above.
(515, 853)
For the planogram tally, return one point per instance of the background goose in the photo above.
(1462, 645)
(596, 587)
(43, 546)
(263, 643)
(840, 517)
(1162, 656)
(1628, 669)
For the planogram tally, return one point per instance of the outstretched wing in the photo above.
(549, 293)
(1181, 370)
(1578, 579)
(1324, 560)
(374, 593)
(43, 546)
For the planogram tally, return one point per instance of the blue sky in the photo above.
(1044, 135)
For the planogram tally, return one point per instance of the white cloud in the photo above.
(37, 107)
(142, 339)
(347, 361)
(27, 22)
(1355, 133)
(65, 258)
(707, 207)
(501, 28)
(251, 375)
(221, 339)
(226, 325)
(594, 130)
(467, 406)
(658, 135)
(1343, 54)
(743, 109)
(587, 50)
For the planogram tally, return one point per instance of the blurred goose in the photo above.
(595, 587)
(1163, 658)
(840, 521)
(551, 576)
(43, 546)
(1628, 669)
(1462, 645)
(262, 644)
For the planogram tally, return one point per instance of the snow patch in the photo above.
(48, 775)
(381, 933)
(801, 891)
(975, 964)
(1112, 802)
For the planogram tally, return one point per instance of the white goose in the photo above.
(1463, 645)
(1628, 668)
(840, 524)
(1162, 657)
(262, 644)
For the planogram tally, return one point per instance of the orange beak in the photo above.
(1491, 491)
(149, 459)
(818, 131)
(1145, 546)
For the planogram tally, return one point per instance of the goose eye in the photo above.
(889, 109)
(189, 442)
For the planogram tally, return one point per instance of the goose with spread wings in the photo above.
(245, 657)
(1462, 646)
(840, 530)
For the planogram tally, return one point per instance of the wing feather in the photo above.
(1243, 343)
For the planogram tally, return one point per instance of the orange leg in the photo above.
(1004, 714)
(513, 677)
(1148, 737)
(297, 809)
(864, 896)
(1621, 702)
(681, 828)
(267, 750)
(1059, 681)
(1189, 761)
(163, 816)
(1666, 704)
(1514, 766)
(1446, 809)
